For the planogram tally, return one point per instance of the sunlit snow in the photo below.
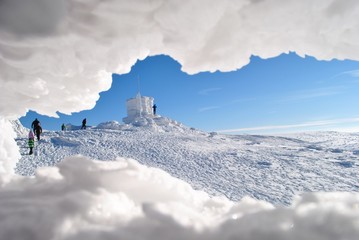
(247, 186)
(58, 55)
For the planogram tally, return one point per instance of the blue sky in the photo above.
(287, 93)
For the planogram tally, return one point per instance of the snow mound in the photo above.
(151, 122)
(122, 199)
(60, 141)
(70, 127)
(19, 129)
(113, 125)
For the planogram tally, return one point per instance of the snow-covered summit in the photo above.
(268, 168)
(160, 178)
(153, 122)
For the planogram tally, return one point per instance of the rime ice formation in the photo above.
(138, 107)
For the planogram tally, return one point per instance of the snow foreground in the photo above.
(85, 199)
(274, 169)
(77, 197)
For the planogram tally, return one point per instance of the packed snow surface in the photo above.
(160, 180)
(270, 168)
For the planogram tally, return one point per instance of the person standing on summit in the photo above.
(154, 109)
(83, 124)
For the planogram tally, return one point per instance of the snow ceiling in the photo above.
(57, 55)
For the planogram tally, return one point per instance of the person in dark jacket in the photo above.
(34, 124)
(63, 127)
(154, 109)
(38, 131)
(83, 124)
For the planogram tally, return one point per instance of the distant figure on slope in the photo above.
(83, 124)
(63, 127)
(154, 109)
(34, 124)
(38, 131)
(31, 141)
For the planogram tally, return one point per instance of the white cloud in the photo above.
(204, 109)
(207, 91)
(293, 126)
(353, 73)
(313, 93)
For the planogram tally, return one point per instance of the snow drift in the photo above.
(86, 199)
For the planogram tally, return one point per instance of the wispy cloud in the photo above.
(207, 91)
(204, 109)
(292, 126)
(352, 73)
(242, 100)
(313, 93)
(236, 101)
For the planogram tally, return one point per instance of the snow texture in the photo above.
(9, 151)
(58, 55)
(248, 187)
(267, 168)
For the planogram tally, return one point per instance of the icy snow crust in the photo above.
(267, 168)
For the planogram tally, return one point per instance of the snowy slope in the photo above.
(270, 168)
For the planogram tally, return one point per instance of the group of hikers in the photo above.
(36, 129)
(83, 126)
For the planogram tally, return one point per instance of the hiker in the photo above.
(31, 141)
(38, 131)
(83, 124)
(34, 124)
(154, 109)
(63, 127)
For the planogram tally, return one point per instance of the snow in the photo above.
(164, 180)
(268, 168)
(9, 151)
(202, 35)
(57, 56)
(140, 106)
(86, 199)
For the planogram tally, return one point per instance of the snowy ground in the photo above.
(269, 168)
